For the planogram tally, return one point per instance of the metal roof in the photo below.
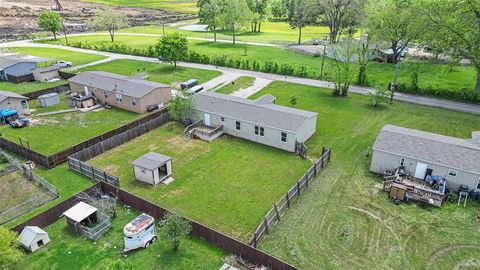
(80, 211)
(151, 161)
(448, 151)
(254, 111)
(29, 233)
(116, 83)
(48, 95)
(12, 59)
(7, 94)
(47, 69)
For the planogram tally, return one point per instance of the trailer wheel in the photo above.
(154, 239)
(147, 244)
(396, 201)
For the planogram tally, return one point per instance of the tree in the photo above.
(209, 14)
(278, 9)
(454, 27)
(172, 47)
(109, 20)
(379, 94)
(259, 10)
(299, 15)
(293, 101)
(50, 21)
(345, 66)
(181, 106)
(235, 15)
(341, 16)
(396, 21)
(364, 54)
(9, 252)
(175, 228)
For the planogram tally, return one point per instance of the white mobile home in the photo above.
(424, 153)
(257, 120)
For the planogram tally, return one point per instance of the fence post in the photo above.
(81, 169)
(288, 200)
(93, 173)
(104, 176)
(298, 188)
(275, 206)
(265, 220)
(255, 239)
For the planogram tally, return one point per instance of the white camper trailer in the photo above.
(139, 233)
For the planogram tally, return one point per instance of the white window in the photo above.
(237, 125)
(283, 137)
(452, 172)
(134, 101)
(119, 97)
(402, 162)
(260, 131)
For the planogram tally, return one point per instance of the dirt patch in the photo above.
(181, 144)
(18, 18)
(112, 168)
(43, 121)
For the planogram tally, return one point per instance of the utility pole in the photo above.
(64, 30)
(323, 59)
(393, 86)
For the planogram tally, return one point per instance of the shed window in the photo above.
(134, 101)
(452, 172)
(222, 119)
(259, 131)
(283, 137)
(237, 125)
(119, 97)
(105, 93)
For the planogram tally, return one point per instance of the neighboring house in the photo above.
(424, 153)
(45, 74)
(152, 168)
(33, 238)
(19, 67)
(14, 101)
(255, 120)
(128, 93)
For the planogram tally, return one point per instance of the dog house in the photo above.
(152, 168)
(80, 215)
(33, 238)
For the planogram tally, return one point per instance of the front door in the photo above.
(206, 119)
(421, 170)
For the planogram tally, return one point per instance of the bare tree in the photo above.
(345, 66)
(109, 20)
(95, 197)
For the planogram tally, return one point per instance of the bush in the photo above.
(463, 94)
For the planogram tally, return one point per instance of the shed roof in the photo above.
(151, 161)
(117, 83)
(253, 111)
(80, 211)
(48, 95)
(29, 233)
(48, 69)
(7, 94)
(430, 147)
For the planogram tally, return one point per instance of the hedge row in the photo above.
(468, 95)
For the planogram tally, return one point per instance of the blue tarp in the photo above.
(7, 112)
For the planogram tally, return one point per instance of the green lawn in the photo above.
(240, 83)
(68, 250)
(161, 73)
(50, 134)
(228, 184)
(182, 6)
(342, 221)
(271, 32)
(75, 57)
(430, 74)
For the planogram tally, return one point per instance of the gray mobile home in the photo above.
(19, 67)
(424, 153)
(258, 120)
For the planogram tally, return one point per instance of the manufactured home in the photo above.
(423, 153)
(129, 93)
(259, 120)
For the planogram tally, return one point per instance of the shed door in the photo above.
(206, 119)
(421, 170)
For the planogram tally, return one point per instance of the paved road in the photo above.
(235, 73)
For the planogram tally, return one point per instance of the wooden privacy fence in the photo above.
(96, 145)
(280, 208)
(20, 78)
(56, 89)
(66, 75)
(92, 172)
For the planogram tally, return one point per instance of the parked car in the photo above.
(151, 108)
(189, 84)
(195, 89)
(62, 64)
(139, 233)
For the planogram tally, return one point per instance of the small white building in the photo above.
(81, 214)
(45, 74)
(152, 168)
(33, 238)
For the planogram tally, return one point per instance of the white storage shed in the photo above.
(48, 100)
(152, 168)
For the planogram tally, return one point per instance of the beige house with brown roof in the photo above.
(128, 93)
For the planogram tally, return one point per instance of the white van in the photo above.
(139, 233)
(195, 89)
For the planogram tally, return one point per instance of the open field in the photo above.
(182, 6)
(75, 57)
(430, 74)
(50, 134)
(228, 184)
(161, 73)
(240, 83)
(86, 254)
(342, 221)
(271, 32)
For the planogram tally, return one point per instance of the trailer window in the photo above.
(452, 172)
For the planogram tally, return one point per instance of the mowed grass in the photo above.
(430, 74)
(271, 32)
(240, 83)
(75, 57)
(228, 184)
(53, 133)
(161, 73)
(67, 250)
(182, 6)
(342, 221)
